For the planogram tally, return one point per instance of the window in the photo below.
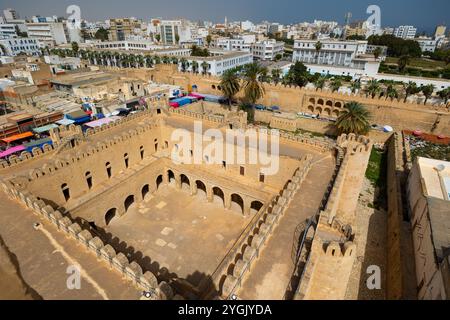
(126, 158)
(242, 171)
(262, 177)
(142, 152)
(108, 169)
(88, 176)
(66, 191)
(224, 164)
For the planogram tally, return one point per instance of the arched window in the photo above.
(110, 215)
(88, 176)
(66, 191)
(108, 169)
(126, 158)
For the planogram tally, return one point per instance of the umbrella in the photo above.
(417, 133)
(387, 129)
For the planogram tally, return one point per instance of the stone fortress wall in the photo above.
(398, 114)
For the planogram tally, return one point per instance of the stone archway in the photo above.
(237, 203)
(185, 183)
(171, 177)
(256, 206)
(129, 201)
(145, 191)
(201, 190)
(110, 215)
(159, 181)
(218, 196)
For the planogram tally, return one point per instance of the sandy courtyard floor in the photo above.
(183, 233)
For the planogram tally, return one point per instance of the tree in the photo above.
(373, 87)
(354, 119)
(427, 92)
(298, 74)
(177, 38)
(205, 67)
(102, 34)
(377, 52)
(276, 75)
(318, 47)
(253, 88)
(319, 83)
(278, 57)
(199, 52)
(335, 85)
(194, 66)
(230, 84)
(157, 37)
(391, 92)
(208, 40)
(183, 63)
(397, 47)
(355, 86)
(403, 62)
(410, 88)
(75, 48)
(445, 95)
(148, 61)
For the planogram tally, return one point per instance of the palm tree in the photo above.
(445, 95)
(377, 52)
(194, 66)
(373, 87)
(335, 85)
(427, 92)
(75, 48)
(157, 59)
(355, 86)
(253, 88)
(230, 84)
(205, 67)
(208, 40)
(319, 83)
(275, 75)
(354, 119)
(183, 63)
(391, 92)
(318, 47)
(148, 61)
(402, 62)
(410, 88)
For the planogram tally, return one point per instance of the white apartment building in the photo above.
(267, 49)
(16, 46)
(48, 33)
(228, 44)
(10, 14)
(7, 31)
(142, 45)
(405, 32)
(171, 29)
(347, 58)
(427, 44)
(217, 64)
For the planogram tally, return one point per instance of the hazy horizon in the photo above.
(425, 15)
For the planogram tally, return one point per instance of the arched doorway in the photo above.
(255, 207)
(159, 181)
(237, 203)
(145, 191)
(110, 215)
(201, 190)
(129, 201)
(218, 196)
(185, 183)
(171, 177)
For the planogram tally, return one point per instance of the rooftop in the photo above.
(435, 176)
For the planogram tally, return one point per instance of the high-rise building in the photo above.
(120, 29)
(10, 14)
(175, 31)
(440, 31)
(405, 32)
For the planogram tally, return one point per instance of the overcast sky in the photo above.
(424, 14)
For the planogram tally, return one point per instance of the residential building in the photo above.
(120, 29)
(48, 33)
(267, 49)
(427, 44)
(170, 31)
(229, 44)
(405, 32)
(428, 200)
(142, 45)
(16, 46)
(217, 63)
(347, 58)
(8, 31)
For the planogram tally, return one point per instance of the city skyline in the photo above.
(424, 16)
